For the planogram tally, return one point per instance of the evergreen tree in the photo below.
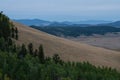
(2, 44)
(41, 54)
(14, 48)
(30, 48)
(56, 58)
(22, 52)
(35, 52)
(13, 33)
(16, 32)
(10, 42)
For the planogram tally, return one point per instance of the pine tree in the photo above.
(22, 52)
(14, 48)
(13, 33)
(16, 33)
(56, 58)
(6, 27)
(41, 54)
(2, 44)
(35, 52)
(30, 48)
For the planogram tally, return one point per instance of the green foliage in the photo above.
(29, 68)
(41, 54)
(35, 53)
(7, 32)
(57, 59)
(75, 31)
(23, 51)
(16, 33)
(30, 48)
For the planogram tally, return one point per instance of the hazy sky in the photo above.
(61, 10)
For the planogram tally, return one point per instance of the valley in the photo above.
(108, 41)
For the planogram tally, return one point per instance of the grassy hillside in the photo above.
(68, 50)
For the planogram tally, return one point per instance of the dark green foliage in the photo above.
(35, 53)
(41, 54)
(29, 68)
(5, 26)
(13, 30)
(57, 59)
(7, 33)
(14, 49)
(30, 48)
(23, 51)
(74, 31)
(16, 33)
(2, 44)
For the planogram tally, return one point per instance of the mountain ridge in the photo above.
(40, 22)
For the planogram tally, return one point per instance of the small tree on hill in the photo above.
(16, 33)
(22, 52)
(30, 48)
(41, 54)
(35, 52)
(56, 59)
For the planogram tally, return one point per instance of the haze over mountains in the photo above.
(39, 22)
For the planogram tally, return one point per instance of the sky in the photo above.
(62, 10)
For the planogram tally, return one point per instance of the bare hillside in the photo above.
(67, 49)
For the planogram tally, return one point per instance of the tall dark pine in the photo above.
(56, 58)
(16, 33)
(6, 32)
(22, 52)
(5, 27)
(35, 52)
(13, 32)
(30, 48)
(41, 54)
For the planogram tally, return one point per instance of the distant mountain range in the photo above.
(38, 22)
(114, 24)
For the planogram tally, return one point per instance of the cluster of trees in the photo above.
(75, 31)
(31, 68)
(8, 32)
(7, 29)
(27, 63)
(23, 51)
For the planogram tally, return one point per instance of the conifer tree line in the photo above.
(8, 32)
(27, 63)
(7, 29)
(23, 51)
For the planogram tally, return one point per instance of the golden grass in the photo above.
(67, 49)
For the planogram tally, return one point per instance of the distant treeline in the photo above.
(77, 31)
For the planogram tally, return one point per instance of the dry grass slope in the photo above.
(67, 49)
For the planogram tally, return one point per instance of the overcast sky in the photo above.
(62, 10)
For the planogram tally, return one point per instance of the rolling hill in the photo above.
(67, 49)
(40, 22)
(30, 22)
